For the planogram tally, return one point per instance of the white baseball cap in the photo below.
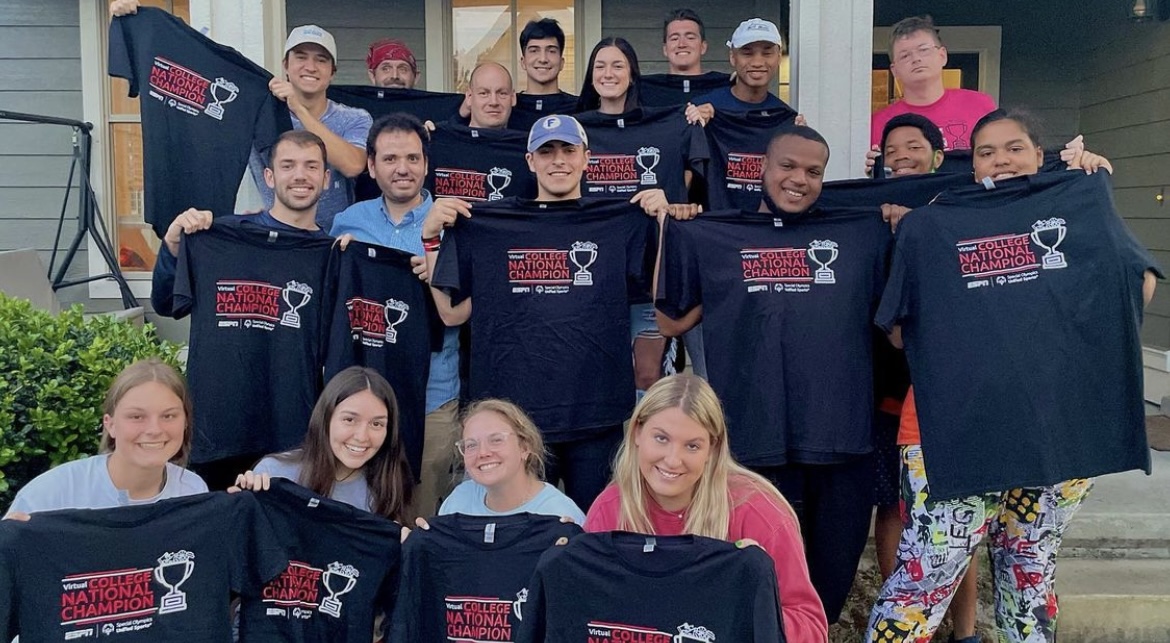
(311, 34)
(755, 30)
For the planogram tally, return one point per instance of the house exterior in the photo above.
(1083, 67)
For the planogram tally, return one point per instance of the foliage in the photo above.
(54, 372)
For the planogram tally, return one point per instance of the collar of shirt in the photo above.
(414, 216)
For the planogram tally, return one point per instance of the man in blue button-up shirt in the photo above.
(397, 159)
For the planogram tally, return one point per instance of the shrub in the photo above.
(54, 372)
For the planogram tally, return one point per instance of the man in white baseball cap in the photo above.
(755, 59)
(310, 60)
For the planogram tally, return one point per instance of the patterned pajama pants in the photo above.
(1023, 529)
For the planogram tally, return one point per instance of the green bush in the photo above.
(54, 372)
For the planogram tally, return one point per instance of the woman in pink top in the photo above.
(674, 474)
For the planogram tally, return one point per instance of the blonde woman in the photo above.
(146, 436)
(503, 455)
(674, 474)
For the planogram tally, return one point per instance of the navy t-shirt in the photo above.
(530, 108)
(204, 107)
(383, 317)
(550, 322)
(787, 309)
(476, 164)
(466, 578)
(158, 572)
(642, 149)
(1020, 310)
(342, 570)
(257, 323)
(621, 586)
(738, 143)
(676, 89)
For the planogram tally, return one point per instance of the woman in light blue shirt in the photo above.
(503, 455)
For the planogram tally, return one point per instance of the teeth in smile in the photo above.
(667, 475)
(359, 450)
(488, 466)
(153, 446)
(797, 195)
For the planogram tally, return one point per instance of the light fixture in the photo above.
(1149, 10)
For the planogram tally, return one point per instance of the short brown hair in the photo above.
(912, 25)
(151, 369)
(300, 138)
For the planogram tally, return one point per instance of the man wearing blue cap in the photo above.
(552, 278)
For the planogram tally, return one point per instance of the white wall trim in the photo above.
(1156, 371)
(985, 41)
(588, 30)
(437, 26)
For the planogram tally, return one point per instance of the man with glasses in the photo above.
(917, 58)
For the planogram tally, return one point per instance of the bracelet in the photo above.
(431, 244)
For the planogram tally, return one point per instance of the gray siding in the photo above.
(641, 24)
(356, 23)
(40, 73)
(1125, 114)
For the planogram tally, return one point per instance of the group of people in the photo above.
(661, 462)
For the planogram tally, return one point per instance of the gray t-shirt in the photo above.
(469, 498)
(353, 492)
(86, 484)
(350, 123)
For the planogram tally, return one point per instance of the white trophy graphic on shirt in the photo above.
(394, 307)
(583, 254)
(688, 633)
(817, 251)
(1055, 230)
(521, 598)
(498, 179)
(222, 92)
(648, 158)
(346, 574)
(182, 563)
(301, 292)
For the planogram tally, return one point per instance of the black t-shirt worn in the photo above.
(676, 89)
(1020, 310)
(383, 317)
(738, 143)
(621, 586)
(158, 572)
(257, 322)
(643, 149)
(204, 107)
(342, 571)
(550, 323)
(787, 309)
(476, 164)
(466, 578)
(530, 108)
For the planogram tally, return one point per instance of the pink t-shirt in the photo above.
(753, 515)
(955, 114)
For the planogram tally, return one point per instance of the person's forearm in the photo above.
(349, 159)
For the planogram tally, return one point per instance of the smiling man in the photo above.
(310, 61)
(390, 63)
(754, 53)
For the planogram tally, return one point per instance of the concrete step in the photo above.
(1113, 601)
(1117, 535)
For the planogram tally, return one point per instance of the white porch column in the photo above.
(832, 56)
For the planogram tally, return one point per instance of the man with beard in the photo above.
(390, 63)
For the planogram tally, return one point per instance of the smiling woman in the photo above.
(146, 437)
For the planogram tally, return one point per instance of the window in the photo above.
(489, 31)
(135, 240)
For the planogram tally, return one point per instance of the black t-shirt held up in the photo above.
(1020, 309)
(466, 578)
(476, 164)
(676, 89)
(153, 573)
(342, 570)
(738, 142)
(257, 321)
(787, 309)
(204, 107)
(550, 323)
(530, 108)
(624, 587)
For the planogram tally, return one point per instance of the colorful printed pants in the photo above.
(1023, 527)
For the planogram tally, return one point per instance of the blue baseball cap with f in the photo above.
(556, 128)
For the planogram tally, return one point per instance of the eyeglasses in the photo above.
(493, 442)
(921, 52)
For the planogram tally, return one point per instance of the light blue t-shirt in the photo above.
(353, 492)
(86, 484)
(350, 123)
(468, 498)
(369, 222)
